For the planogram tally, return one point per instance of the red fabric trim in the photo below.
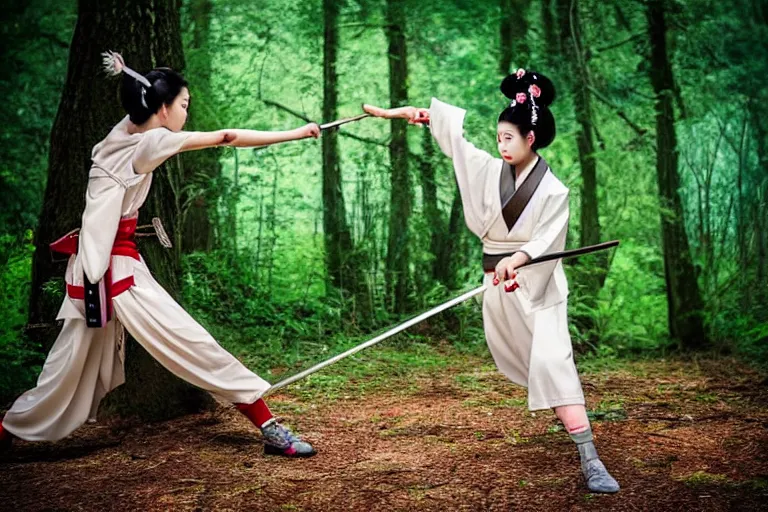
(66, 244)
(125, 245)
(122, 285)
(78, 292)
(257, 412)
(126, 250)
(125, 242)
(108, 289)
(5, 436)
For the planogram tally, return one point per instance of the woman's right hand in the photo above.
(412, 114)
(308, 130)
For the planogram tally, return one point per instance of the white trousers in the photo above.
(86, 363)
(532, 349)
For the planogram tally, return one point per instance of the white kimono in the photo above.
(85, 363)
(526, 330)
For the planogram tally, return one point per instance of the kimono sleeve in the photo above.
(473, 166)
(157, 146)
(551, 227)
(540, 284)
(103, 204)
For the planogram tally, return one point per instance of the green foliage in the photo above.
(227, 289)
(18, 359)
(228, 295)
(262, 291)
(631, 310)
(34, 37)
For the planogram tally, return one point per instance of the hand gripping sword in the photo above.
(432, 312)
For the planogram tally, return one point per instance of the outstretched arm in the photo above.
(247, 138)
(412, 114)
(473, 167)
(160, 144)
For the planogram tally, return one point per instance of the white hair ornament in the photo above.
(114, 64)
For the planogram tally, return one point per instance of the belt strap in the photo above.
(78, 292)
(491, 260)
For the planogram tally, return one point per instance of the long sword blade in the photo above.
(432, 312)
(340, 122)
(377, 339)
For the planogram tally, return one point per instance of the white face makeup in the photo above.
(513, 147)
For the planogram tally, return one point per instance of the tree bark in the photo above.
(593, 269)
(400, 204)
(760, 220)
(343, 274)
(553, 47)
(589, 273)
(683, 295)
(455, 235)
(435, 223)
(202, 169)
(513, 28)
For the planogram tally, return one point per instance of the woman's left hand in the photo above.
(506, 269)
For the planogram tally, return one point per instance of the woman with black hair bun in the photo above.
(519, 209)
(110, 288)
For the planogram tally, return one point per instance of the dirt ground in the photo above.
(676, 435)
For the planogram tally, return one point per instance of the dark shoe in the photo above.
(279, 440)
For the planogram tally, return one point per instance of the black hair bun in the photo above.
(141, 102)
(531, 83)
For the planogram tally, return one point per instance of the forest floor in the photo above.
(452, 434)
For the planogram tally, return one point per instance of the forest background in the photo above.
(292, 253)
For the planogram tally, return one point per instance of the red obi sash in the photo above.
(125, 245)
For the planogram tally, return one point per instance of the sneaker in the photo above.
(279, 440)
(597, 477)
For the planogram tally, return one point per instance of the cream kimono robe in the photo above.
(526, 330)
(85, 363)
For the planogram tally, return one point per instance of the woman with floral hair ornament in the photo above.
(519, 209)
(110, 288)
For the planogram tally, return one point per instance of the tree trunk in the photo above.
(760, 195)
(435, 223)
(553, 48)
(683, 296)
(343, 274)
(579, 80)
(450, 258)
(89, 108)
(759, 126)
(201, 168)
(589, 272)
(400, 208)
(513, 30)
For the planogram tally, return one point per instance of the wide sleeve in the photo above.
(551, 228)
(103, 205)
(157, 146)
(473, 167)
